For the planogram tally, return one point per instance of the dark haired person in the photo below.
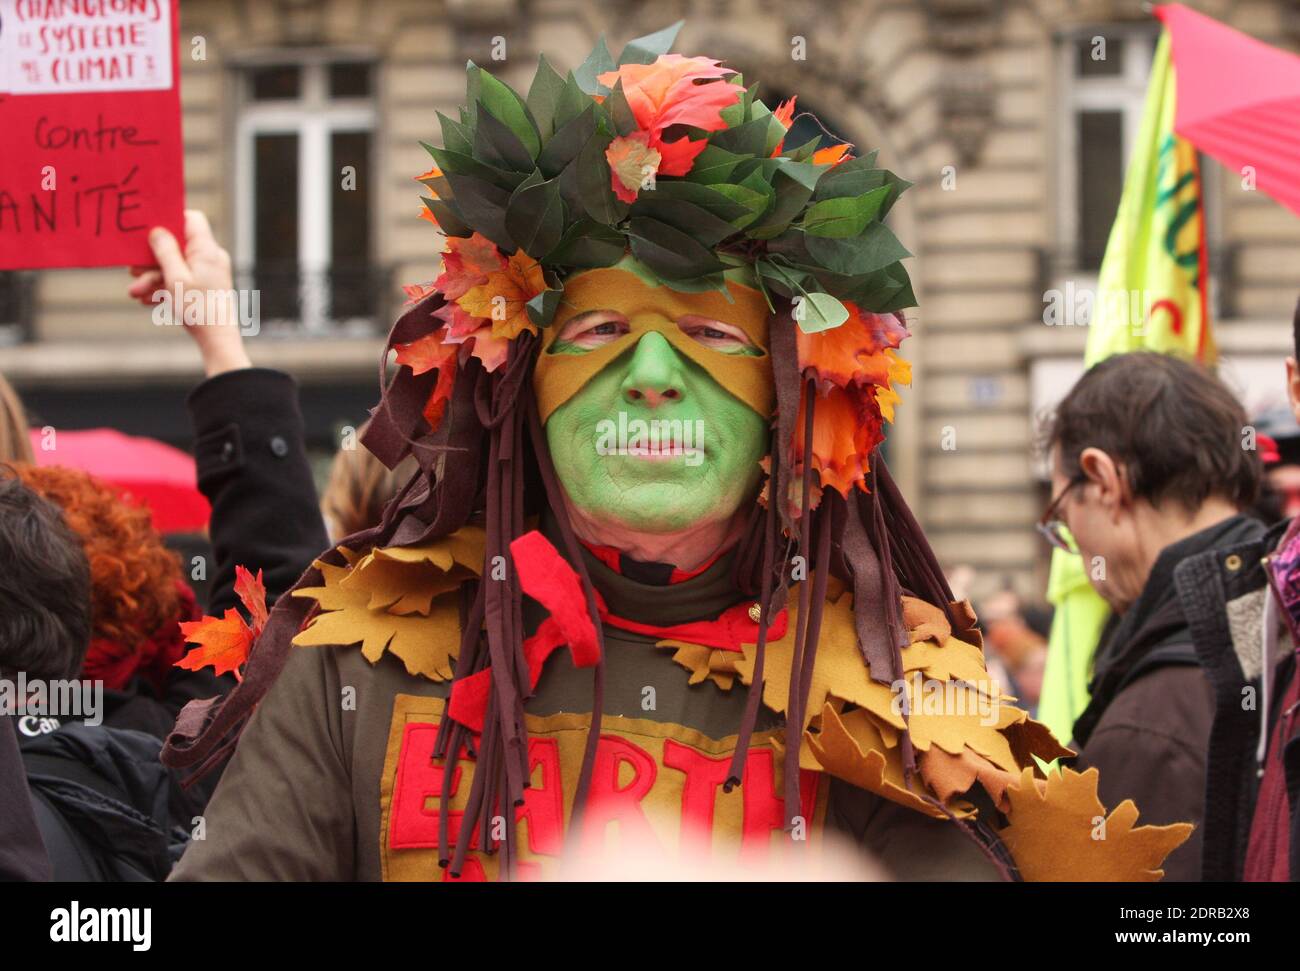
(1149, 470)
(1253, 804)
(44, 577)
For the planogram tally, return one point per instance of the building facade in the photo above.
(302, 126)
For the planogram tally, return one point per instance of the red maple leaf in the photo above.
(223, 643)
(425, 354)
(251, 592)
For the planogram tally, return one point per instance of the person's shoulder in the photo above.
(402, 601)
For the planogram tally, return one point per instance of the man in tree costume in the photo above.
(652, 571)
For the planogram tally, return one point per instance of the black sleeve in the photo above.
(22, 853)
(252, 466)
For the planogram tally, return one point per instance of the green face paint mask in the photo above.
(641, 433)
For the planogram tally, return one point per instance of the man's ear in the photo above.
(1293, 386)
(1108, 478)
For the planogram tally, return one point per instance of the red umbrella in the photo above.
(143, 470)
(1238, 100)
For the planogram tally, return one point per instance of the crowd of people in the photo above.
(1194, 691)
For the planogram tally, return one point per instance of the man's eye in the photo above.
(717, 335)
(609, 327)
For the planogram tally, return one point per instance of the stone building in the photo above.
(1014, 132)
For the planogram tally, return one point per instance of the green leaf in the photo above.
(455, 136)
(873, 250)
(567, 142)
(459, 164)
(713, 165)
(845, 216)
(791, 195)
(535, 216)
(670, 252)
(693, 220)
(598, 62)
(483, 206)
(541, 308)
(448, 221)
(817, 311)
(544, 96)
(507, 107)
(573, 102)
(644, 50)
(747, 138)
(598, 197)
(588, 244)
(620, 112)
(754, 200)
(496, 144)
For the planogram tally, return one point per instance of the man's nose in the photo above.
(655, 373)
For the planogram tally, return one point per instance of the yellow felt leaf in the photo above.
(952, 775)
(705, 663)
(849, 748)
(373, 608)
(1056, 832)
(924, 620)
(839, 669)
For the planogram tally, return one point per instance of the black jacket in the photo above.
(22, 852)
(100, 797)
(1157, 702)
(252, 466)
(105, 806)
(1223, 592)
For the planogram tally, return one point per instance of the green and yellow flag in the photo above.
(1151, 295)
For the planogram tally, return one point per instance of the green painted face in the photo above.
(652, 443)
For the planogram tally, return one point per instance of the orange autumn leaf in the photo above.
(428, 353)
(851, 353)
(504, 296)
(223, 643)
(631, 160)
(846, 428)
(466, 263)
(415, 292)
(784, 113)
(251, 591)
(665, 93)
(832, 154)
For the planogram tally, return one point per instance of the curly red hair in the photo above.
(134, 578)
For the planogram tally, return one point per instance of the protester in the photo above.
(138, 601)
(98, 795)
(22, 851)
(1278, 443)
(1248, 597)
(1148, 469)
(249, 445)
(416, 677)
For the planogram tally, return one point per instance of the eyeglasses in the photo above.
(1053, 527)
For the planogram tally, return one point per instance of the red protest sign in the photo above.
(90, 119)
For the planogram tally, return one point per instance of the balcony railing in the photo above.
(338, 301)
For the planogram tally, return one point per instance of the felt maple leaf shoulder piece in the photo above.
(398, 600)
(966, 732)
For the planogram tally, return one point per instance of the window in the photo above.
(303, 189)
(1105, 92)
(15, 307)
